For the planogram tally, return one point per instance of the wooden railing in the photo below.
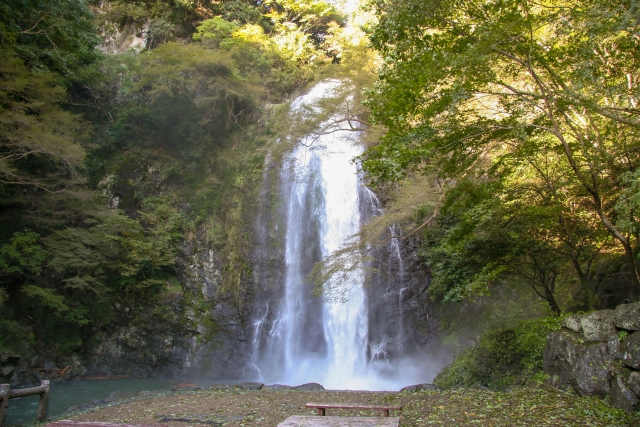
(6, 393)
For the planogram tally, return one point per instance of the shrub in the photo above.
(502, 357)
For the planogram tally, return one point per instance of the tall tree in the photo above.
(462, 80)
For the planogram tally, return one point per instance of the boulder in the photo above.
(277, 387)
(572, 323)
(248, 385)
(6, 371)
(627, 316)
(420, 387)
(634, 383)
(598, 325)
(630, 350)
(49, 365)
(588, 356)
(620, 394)
(590, 374)
(560, 356)
(309, 387)
(614, 347)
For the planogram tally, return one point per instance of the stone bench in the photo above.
(315, 421)
(322, 407)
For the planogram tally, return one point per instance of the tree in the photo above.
(39, 140)
(50, 36)
(462, 80)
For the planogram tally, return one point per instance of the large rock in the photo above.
(634, 382)
(588, 356)
(248, 385)
(620, 394)
(614, 347)
(421, 387)
(277, 387)
(560, 356)
(627, 317)
(572, 323)
(6, 371)
(598, 326)
(631, 351)
(309, 387)
(590, 375)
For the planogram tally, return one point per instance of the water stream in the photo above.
(320, 338)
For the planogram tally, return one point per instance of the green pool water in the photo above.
(65, 395)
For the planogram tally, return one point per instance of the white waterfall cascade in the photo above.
(323, 187)
(300, 337)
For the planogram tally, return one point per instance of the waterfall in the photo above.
(395, 256)
(322, 338)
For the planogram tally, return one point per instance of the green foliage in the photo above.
(501, 358)
(39, 140)
(46, 297)
(520, 99)
(240, 12)
(91, 228)
(311, 16)
(214, 30)
(23, 254)
(15, 338)
(160, 31)
(121, 12)
(49, 36)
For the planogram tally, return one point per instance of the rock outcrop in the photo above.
(196, 331)
(598, 354)
(401, 318)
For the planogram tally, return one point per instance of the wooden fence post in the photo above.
(4, 402)
(44, 401)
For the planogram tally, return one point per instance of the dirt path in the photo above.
(529, 407)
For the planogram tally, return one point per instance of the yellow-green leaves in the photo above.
(39, 141)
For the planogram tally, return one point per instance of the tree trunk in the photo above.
(551, 300)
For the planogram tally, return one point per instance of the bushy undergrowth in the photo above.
(501, 357)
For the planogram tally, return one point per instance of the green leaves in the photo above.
(214, 30)
(39, 141)
(50, 36)
(537, 98)
(23, 254)
(46, 297)
(501, 357)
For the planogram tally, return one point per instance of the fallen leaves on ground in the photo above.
(525, 406)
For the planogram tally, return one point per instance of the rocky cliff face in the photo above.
(401, 321)
(197, 330)
(201, 333)
(598, 354)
